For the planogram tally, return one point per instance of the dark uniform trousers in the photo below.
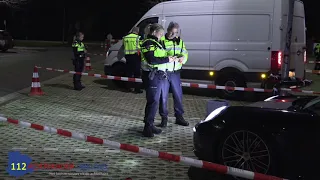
(154, 83)
(174, 82)
(78, 67)
(133, 66)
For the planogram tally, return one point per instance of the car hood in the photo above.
(275, 102)
(272, 105)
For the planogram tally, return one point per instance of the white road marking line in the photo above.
(51, 149)
(112, 151)
(19, 148)
(81, 150)
(86, 116)
(63, 115)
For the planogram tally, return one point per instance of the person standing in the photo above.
(153, 64)
(175, 47)
(131, 44)
(79, 51)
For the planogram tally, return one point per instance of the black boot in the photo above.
(147, 131)
(156, 130)
(164, 122)
(181, 121)
(77, 87)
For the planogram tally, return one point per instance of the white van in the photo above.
(230, 42)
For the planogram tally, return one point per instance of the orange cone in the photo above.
(88, 64)
(35, 85)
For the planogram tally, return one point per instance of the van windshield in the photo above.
(143, 24)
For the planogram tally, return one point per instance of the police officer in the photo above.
(153, 64)
(317, 54)
(131, 45)
(175, 47)
(79, 51)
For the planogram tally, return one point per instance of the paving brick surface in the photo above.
(103, 111)
(100, 110)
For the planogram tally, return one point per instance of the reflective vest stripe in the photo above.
(128, 42)
(80, 46)
(173, 49)
(177, 49)
(158, 51)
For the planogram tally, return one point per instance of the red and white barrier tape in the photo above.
(191, 85)
(313, 62)
(313, 71)
(144, 151)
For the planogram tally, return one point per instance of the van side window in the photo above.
(142, 25)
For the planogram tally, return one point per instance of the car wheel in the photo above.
(231, 80)
(248, 150)
(119, 69)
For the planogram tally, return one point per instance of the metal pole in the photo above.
(286, 59)
(64, 23)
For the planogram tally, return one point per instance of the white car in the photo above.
(230, 42)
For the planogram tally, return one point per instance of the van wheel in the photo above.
(231, 80)
(119, 69)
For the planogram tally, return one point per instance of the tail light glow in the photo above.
(276, 60)
(279, 58)
(305, 57)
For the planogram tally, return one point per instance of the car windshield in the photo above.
(311, 103)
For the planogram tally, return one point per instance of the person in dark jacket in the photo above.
(79, 52)
(153, 64)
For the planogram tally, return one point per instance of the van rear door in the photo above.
(298, 41)
(298, 38)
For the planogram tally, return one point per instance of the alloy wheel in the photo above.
(246, 150)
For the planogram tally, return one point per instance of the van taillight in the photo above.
(305, 57)
(276, 60)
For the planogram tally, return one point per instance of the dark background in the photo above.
(44, 19)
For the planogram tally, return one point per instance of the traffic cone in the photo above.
(88, 64)
(35, 85)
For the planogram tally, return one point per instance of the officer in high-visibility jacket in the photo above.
(131, 44)
(153, 64)
(175, 47)
(317, 54)
(79, 52)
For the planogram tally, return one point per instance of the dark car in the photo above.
(279, 136)
(6, 41)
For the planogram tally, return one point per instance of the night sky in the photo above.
(43, 19)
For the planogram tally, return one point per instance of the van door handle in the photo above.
(269, 48)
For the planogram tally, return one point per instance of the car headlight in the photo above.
(214, 113)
